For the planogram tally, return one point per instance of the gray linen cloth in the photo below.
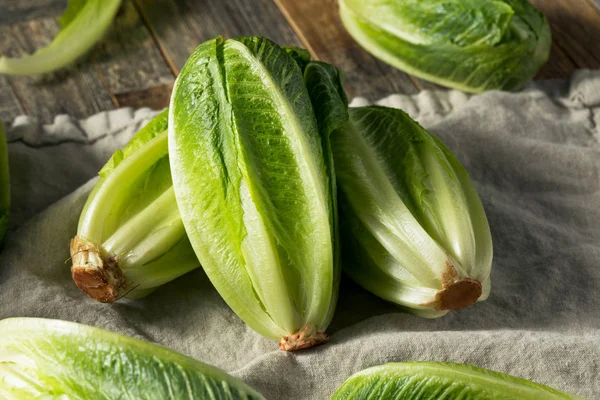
(535, 159)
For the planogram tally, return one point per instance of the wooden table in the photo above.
(136, 63)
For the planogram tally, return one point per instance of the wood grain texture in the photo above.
(128, 60)
(77, 90)
(14, 11)
(150, 41)
(179, 26)
(318, 24)
(575, 26)
(156, 97)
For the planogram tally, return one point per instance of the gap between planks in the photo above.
(157, 42)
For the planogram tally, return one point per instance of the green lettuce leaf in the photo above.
(253, 188)
(300, 56)
(152, 129)
(43, 358)
(325, 88)
(83, 23)
(437, 380)
(471, 45)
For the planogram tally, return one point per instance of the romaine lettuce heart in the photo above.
(471, 45)
(130, 238)
(413, 226)
(255, 186)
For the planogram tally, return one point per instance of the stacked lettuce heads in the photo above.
(240, 175)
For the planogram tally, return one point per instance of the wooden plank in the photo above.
(129, 61)
(179, 26)
(575, 29)
(156, 97)
(15, 11)
(318, 24)
(77, 91)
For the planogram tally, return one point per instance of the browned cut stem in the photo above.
(459, 294)
(97, 276)
(307, 337)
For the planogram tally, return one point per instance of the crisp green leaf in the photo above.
(246, 155)
(132, 216)
(43, 358)
(83, 24)
(440, 381)
(153, 128)
(412, 219)
(4, 184)
(472, 45)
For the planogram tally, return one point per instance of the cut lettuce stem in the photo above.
(4, 185)
(131, 238)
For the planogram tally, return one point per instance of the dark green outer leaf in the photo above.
(300, 56)
(61, 358)
(440, 381)
(325, 87)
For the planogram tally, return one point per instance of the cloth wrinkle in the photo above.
(534, 158)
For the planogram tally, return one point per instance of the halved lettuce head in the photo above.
(471, 45)
(50, 359)
(437, 380)
(254, 181)
(130, 238)
(413, 227)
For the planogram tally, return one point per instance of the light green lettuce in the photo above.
(413, 225)
(471, 45)
(254, 183)
(83, 23)
(130, 237)
(50, 359)
(437, 380)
